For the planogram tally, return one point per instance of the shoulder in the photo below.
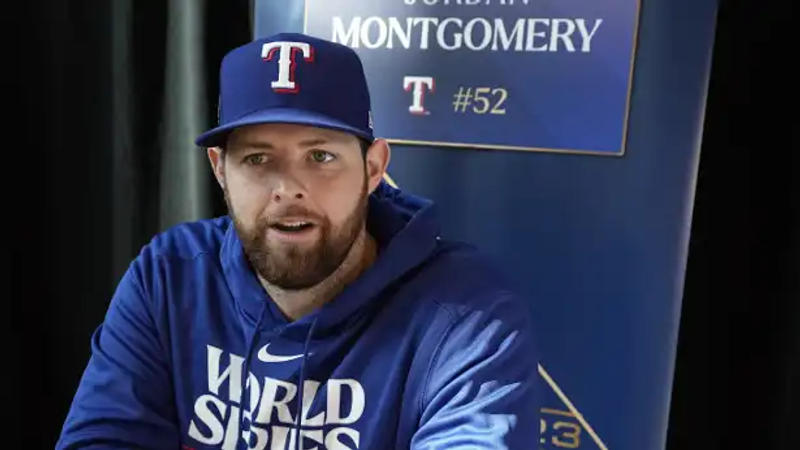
(190, 239)
(178, 246)
(461, 280)
(485, 343)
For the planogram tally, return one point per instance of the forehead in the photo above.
(288, 135)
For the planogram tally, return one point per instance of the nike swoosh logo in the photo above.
(266, 356)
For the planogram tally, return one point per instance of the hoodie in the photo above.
(426, 349)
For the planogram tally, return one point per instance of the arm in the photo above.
(483, 389)
(125, 397)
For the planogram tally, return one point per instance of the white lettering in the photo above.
(487, 33)
(314, 435)
(255, 391)
(396, 30)
(255, 396)
(365, 32)
(233, 373)
(564, 36)
(335, 403)
(310, 388)
(261, 437)
(500, 33)
(456, 36)
(279, 436)
(269, 401)
(586, 36)
(232, 433)
(203, 412)
(218, 423)
(332, 441)
(349, 38)
(532, 34)
(426, 22)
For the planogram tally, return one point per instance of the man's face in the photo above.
(298, 198)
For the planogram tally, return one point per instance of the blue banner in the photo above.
(496, 75)
(598, 244)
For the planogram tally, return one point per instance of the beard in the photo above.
(292, 266)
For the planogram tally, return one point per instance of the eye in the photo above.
(321, 156)
(255, 159)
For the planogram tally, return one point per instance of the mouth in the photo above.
(292, 227)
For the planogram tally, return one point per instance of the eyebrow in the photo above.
(254, 144)
(313, 142)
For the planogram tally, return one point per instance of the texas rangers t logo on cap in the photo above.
(260, 82)
(287, 63)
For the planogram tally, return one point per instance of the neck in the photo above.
(295, 304)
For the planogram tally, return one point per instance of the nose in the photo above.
(288, 188)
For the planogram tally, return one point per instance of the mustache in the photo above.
(293, 211)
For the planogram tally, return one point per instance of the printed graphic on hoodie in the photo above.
(265, 420)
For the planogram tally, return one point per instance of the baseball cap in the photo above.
(292, 78)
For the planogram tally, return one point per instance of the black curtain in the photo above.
(85, 176)
(81, 209)
(737, 378)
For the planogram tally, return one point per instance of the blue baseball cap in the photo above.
(292, 78)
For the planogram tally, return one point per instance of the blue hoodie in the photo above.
(427, 349)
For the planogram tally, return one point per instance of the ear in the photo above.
(377, 160)
(217, 159)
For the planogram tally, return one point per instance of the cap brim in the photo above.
(216, 137)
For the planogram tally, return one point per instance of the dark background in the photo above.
(738, 363)
(737, 379)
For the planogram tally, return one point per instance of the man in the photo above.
(324, 312)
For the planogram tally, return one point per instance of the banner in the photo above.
(500, 75)
(598, 244)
